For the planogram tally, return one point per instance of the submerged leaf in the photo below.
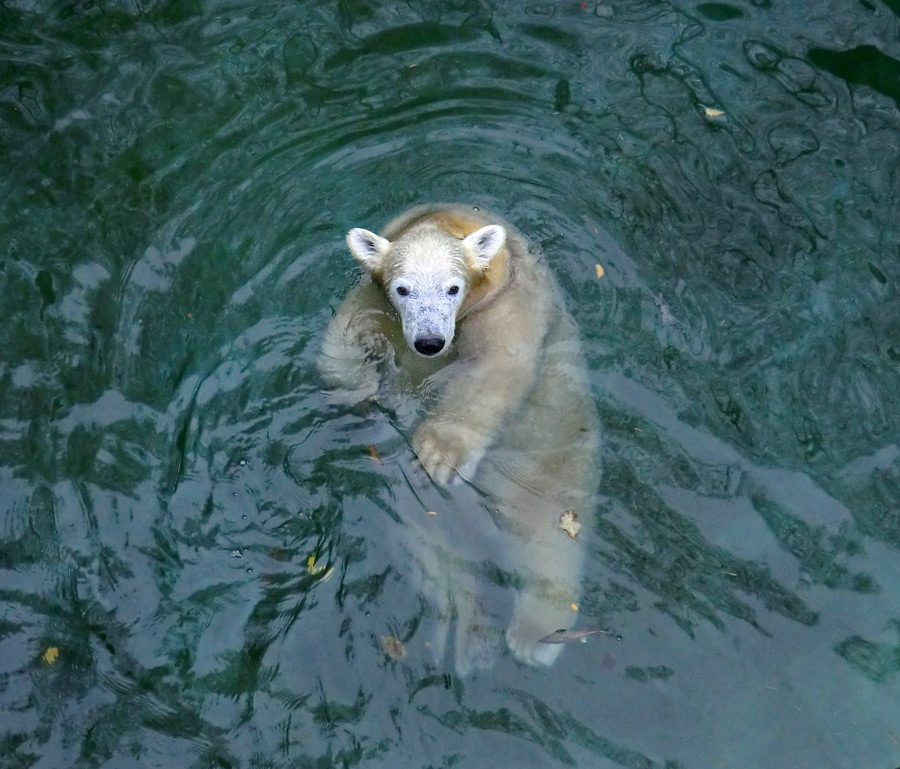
(393, 647)
(566, 636)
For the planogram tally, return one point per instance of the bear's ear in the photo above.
(368, 248)
(483, 245)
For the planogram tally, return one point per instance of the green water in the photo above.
(175, 181)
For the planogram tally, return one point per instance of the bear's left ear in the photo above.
(368, 248)
(483, 245)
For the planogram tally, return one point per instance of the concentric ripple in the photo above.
(199, 552)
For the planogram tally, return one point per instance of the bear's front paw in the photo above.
(446, 449)
(352, 362)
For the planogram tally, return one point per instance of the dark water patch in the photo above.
(553, 35)
(719, 11)
(44, 283)
(819, 552)
(880, 662)
(863, 65)
(658, 672)
(562, 95)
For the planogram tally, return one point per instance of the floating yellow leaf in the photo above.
(51, 655)
(431, 512)
(311, 566)
(574, 607)
(569, 524)
(600, 271)
(373, 453)
(393, 647)
(710, 112)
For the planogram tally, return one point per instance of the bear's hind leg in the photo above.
(550, 567)
(533, 619)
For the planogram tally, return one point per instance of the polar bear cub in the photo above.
(458, 296)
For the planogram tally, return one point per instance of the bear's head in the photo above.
(427, 274)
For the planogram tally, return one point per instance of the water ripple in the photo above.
(206, 538)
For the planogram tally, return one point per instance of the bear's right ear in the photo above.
(368, 248)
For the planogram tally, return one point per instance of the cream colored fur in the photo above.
(513, 415)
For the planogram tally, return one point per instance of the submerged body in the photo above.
(460, 312)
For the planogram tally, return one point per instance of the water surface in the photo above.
(176, 181)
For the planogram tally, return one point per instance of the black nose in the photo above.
(430, 345)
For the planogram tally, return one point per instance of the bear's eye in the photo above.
(453, 290)
(403, 290)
